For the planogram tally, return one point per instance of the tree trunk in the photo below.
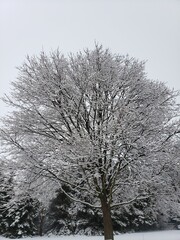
(41, 222)
(107, 221)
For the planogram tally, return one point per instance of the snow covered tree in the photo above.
(6, 194)
(18, 214)
(138, 216)
(93, 121)
(169, 206)
(21, 215)
(65, 217)
(60, 215)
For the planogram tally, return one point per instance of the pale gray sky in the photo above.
(145, 29)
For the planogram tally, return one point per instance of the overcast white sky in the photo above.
(145, 29)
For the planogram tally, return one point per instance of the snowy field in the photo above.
(161, 235)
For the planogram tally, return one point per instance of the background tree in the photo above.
(61, 214)
(66, 217)
(18, 213)
(92, 121)
(22, 216)
(6, 194)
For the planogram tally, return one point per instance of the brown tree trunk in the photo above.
(107, 221)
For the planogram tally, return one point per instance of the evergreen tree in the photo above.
(66, 217)
(60, 214)
(21, 217)
(89, 221)
(139, 216)
(6, 193)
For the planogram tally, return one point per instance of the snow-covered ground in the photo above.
(161, 235)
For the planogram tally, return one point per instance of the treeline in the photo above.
(22, 215)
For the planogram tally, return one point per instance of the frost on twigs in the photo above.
(94, 122)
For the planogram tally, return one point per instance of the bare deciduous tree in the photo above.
(92, 121)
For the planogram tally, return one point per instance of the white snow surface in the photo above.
(160, 235)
